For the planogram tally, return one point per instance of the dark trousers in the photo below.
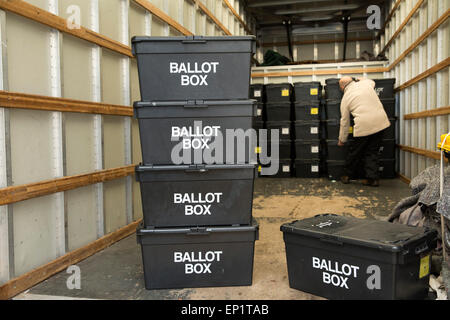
(364, 157)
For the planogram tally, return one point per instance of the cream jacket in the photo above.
(361, 101)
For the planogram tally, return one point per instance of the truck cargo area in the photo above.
(117, 273)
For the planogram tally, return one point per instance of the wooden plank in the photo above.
(299, 43)
(424, 36)
(404, 179)
(34, 13)
(15, 194)
(32, 278)
(205, 10)
(442, 65)
(391, 13)
(425, 153)
(429, 113)
(242, 22)
(318, 72)
(36, 102)
(163, 16)
(403, 25)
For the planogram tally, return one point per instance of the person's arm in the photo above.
(345, 122)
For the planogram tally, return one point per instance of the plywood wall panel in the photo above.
(28, 56)
(79, 143)
(31, 147)
(81, 209)
(34, 233)
(115, 205)
(136, 20)
(110, 19)
(76, 69)
(113, 142)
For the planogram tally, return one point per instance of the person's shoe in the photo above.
(371, 182)
(345, 179)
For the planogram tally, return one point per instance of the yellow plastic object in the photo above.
(445, 146)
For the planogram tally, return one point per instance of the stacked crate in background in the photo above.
(385, 90)
(258, 93)
(335, 156)
(307, 112)
(279, 115)
(197, 229)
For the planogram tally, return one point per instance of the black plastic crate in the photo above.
(260, 112)
(332, 90)
(280, 111)
(307, 110)
(387, 150)
(190, 128)
(335, 152)
(197, 195)
(284, 127)
(285, 169)
(258, 93)
(335, 169)
(307, 150)
(333, 109)
(333, 128)
(198, 257)
(308, 130)
(389, 107)
(284, 148)
(388, 169)
(390, 133)
(308, 91)
(307, 168)
(194, 67)
(385, 88)
(342, 258)
(279, 93)
(258, 125)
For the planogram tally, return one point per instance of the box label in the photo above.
(315, 169)
(195, 137)
(314, 92)
(424, 267)
(285, 131)
(314, 111)
(197, 262)
(197, 204)
(340, 274)
(286, 169)
(314, 149)
(314, 130)
(285, 93)
(257, 93)
(193, 74)
(379, 91)
(259, 112)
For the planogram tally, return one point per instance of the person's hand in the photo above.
(341, 144)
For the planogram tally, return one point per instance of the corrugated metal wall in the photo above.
(43, 145)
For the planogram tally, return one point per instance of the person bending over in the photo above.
(362, 102)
